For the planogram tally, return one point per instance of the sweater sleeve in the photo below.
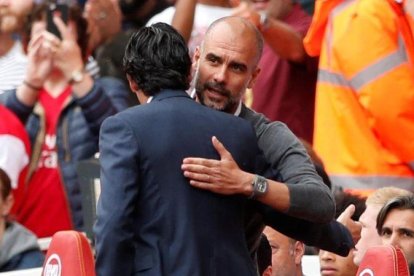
(107, 97)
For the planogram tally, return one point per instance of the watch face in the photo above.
(261, 185)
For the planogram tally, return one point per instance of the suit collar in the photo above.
(168, 93)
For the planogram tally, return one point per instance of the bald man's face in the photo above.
(225, 66)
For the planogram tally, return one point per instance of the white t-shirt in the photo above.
(203, 17)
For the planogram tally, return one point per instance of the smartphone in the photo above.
(61, 10)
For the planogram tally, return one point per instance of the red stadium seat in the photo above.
(383, 261)
(69, 254)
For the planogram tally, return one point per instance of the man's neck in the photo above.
(6, 43)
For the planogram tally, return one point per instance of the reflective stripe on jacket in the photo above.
(364, 113)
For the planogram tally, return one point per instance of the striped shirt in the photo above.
(12, 67)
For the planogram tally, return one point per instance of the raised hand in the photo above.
(68, 57)
(220, 176)
(104, 21)
(245, 10)
(353, 226)
(41, 51)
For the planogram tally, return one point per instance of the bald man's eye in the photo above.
(213, 59)
(238, 68)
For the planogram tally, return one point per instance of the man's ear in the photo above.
(268, 271)
(132, 84)
(253, 79)
(196, 58)
(299, 252)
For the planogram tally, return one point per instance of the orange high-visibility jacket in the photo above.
(364, 117)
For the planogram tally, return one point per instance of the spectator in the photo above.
(285, 89)
(12, 59)
(395, 225)
(332, 264)
(368, 234)
(264, 257)
(14, 153)
(63, 107)
(287, 254)
(366, 50)
(18, 246)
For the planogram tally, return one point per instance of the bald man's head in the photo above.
(239, 30)
(227, 63)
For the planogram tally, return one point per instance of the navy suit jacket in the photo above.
(150, 221)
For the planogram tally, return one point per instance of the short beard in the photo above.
(227, 106)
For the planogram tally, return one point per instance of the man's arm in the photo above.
(114, 228)
(284, 40)
(333, 236)
(225, 177)
(183, 19)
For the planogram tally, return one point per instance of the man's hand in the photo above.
(41, 50)
(220, 176)
(247, 11)
(68, 58)
(353, 226)
(104, 21)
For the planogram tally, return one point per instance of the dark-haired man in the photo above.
(150, 221)
(395, 225)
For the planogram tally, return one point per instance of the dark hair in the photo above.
(75, 14)
(344, 199)
(264, 254)
(156, 58)
(5, 185)
(401, 203)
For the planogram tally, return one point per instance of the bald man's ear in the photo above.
(253, 79)
(299, 252)
(196, 58)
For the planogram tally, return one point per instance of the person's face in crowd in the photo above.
(335, 265)
(226, 64)
(369, 234)
(5, 206)
(398, 230)
(12, 13)
(286, 253)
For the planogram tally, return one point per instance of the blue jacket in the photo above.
(150, 220)
(77, 132)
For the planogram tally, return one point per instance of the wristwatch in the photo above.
(77, 76)
(260, 187)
